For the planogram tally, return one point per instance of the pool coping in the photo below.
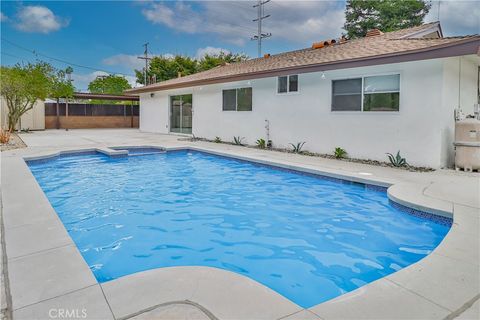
(208, 286)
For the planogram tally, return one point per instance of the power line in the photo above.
(260, 17)
(11, 55)
(36, 53)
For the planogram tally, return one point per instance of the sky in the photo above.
(100, 37)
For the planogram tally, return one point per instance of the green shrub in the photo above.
(398, 160)
(217, 140)
(340, 153)
(297, 148)
(238, 141)
(261, 143)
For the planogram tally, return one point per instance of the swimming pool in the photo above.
(307, 237)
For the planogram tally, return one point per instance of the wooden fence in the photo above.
(82, 115)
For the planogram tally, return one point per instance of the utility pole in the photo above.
(146, 58)
(438, 13)
(260, 16)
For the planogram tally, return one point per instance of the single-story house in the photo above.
(381, 93)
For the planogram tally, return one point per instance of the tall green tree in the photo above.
(165, 68)
(110, 84)
(385, 15)
(22, 85)
(215, 60)
(61, 87)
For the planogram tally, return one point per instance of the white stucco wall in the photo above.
(419, 130)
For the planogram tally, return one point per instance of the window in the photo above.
(288, 84)
(347, 95)
(376, 93)
(230, 100)
(237, 99)
(381, 93)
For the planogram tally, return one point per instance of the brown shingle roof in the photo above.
(391, 44)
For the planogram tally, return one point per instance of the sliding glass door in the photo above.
(181, 114)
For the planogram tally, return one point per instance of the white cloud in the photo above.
(38, 19)
(296, 21)
(81, 81)
(128, 61)
(3, 17)
(456, 17)
(202, 52)
(182, 17)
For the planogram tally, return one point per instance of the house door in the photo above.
(181, 114)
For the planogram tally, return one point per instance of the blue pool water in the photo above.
(308, 238)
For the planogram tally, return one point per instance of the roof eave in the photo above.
(458, 48)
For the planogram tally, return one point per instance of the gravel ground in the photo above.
(14, 143)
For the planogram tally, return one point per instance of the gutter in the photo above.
(459, 48)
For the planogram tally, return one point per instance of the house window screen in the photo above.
(347, 95)
(230, 100)
(287, 84)
(282, 84)
(237, 99)
(244, 99)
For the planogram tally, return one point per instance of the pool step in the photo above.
(140, 151)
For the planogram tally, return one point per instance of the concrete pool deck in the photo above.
(48, 277)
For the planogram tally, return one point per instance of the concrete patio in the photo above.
(46, 271)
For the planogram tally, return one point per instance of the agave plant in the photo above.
(340, 153)
(398, 160)
(297, 148)
(238, 141)
(261, 143)
(217, 140)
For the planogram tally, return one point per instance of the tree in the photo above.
(164, 68)
(22, 86)
(110, 84)
(212, 61)
(385, 15)
(61, 87)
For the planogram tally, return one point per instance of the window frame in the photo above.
(236, 99)
(288, 92)
(363, 76)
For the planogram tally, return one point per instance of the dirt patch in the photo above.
(14, 143)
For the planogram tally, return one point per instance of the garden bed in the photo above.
(321, 155)
(15, 143)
